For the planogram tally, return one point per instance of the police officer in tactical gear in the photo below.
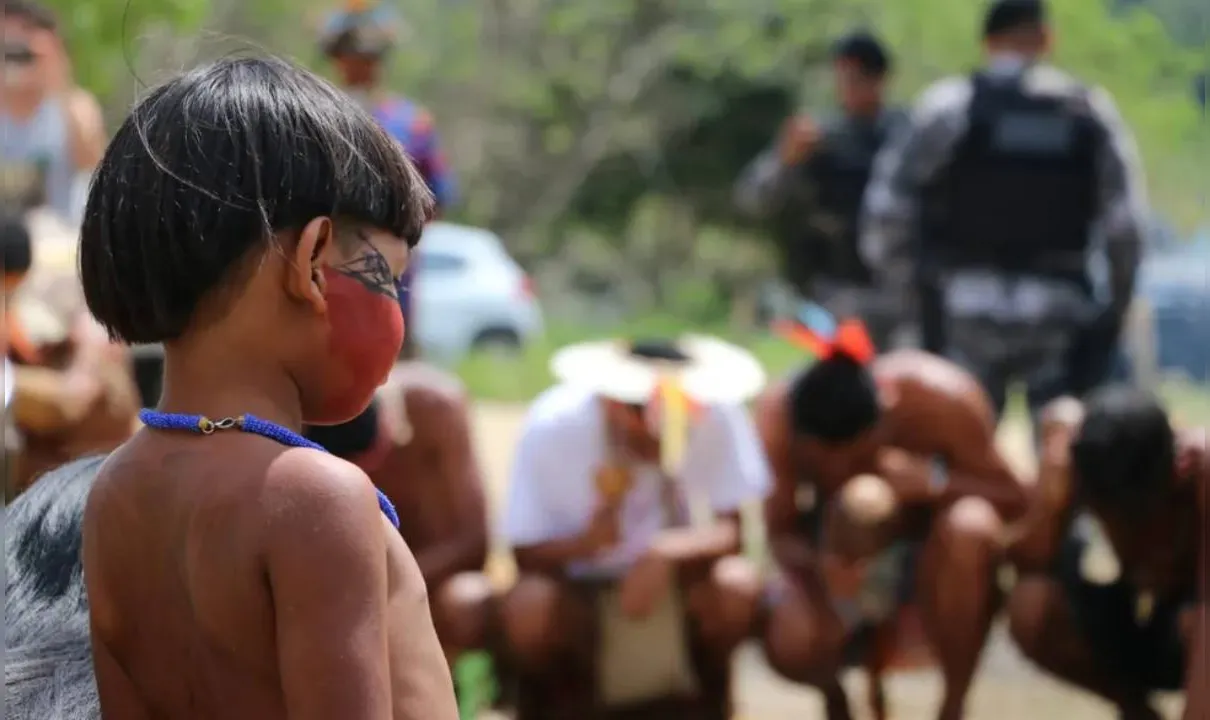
(811, 182)
(994, 195)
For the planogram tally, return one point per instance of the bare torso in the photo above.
(184, 619)
(934, 402)
(432, 475)
(419, 405)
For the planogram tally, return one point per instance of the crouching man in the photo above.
(889, 496)
(1112, 595)
(625, 600)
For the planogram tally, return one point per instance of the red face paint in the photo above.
(366, 332)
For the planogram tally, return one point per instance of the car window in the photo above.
(440, 262)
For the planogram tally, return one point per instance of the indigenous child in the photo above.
(252, 220)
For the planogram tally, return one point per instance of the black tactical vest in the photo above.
(1019, 195)
(820, 230)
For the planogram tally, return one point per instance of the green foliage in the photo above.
(565, 118)
(104, 36)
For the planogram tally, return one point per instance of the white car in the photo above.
(469, 294)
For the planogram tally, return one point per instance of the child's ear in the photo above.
(304, 278)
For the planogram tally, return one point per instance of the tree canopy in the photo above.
(582, 124)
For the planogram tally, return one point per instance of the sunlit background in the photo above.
(597, 143)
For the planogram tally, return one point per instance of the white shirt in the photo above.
(553, 488)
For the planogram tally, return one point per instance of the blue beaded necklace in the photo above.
(203, 425)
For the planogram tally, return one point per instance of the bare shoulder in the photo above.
(424, 387)
(308, 488)
(769, 408)
(417, 377)
(926, 373)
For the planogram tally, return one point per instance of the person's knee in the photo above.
(969, 531)
(462, 609)
(529, 618)
(862, 518)
(1033, 608)
(734, 595)
(801, 644)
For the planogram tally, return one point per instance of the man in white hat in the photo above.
(623, 599)
(1112, 596)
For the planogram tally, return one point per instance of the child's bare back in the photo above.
(226, 536)
(235, 570)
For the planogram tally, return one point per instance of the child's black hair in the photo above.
(16, 251)
(834, 400)
(210, 167)
(349, 439)
(864, 50)
(1125, 451)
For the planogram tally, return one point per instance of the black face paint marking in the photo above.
(372, 271)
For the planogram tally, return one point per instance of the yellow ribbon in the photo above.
(675, 409)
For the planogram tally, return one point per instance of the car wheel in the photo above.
(497, 341)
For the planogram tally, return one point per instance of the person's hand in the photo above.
(646, 584)
(799, 136)
(603, 532)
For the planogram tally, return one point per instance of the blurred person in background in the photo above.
(72, 393)
(889, 499)
(811, 183)
(51, 131)
(991, 201)
(1112, 593)
(358, 41)
(429, 471)
(625, 598)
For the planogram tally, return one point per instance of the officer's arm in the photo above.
(1197, 678)
(904, 168)
(1121, 198)
(761, 187)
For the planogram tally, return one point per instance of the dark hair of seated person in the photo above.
(1124, 454)
(834, 400)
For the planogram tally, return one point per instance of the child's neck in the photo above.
(228, 384)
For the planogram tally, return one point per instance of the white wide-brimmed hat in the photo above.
(709, 370)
